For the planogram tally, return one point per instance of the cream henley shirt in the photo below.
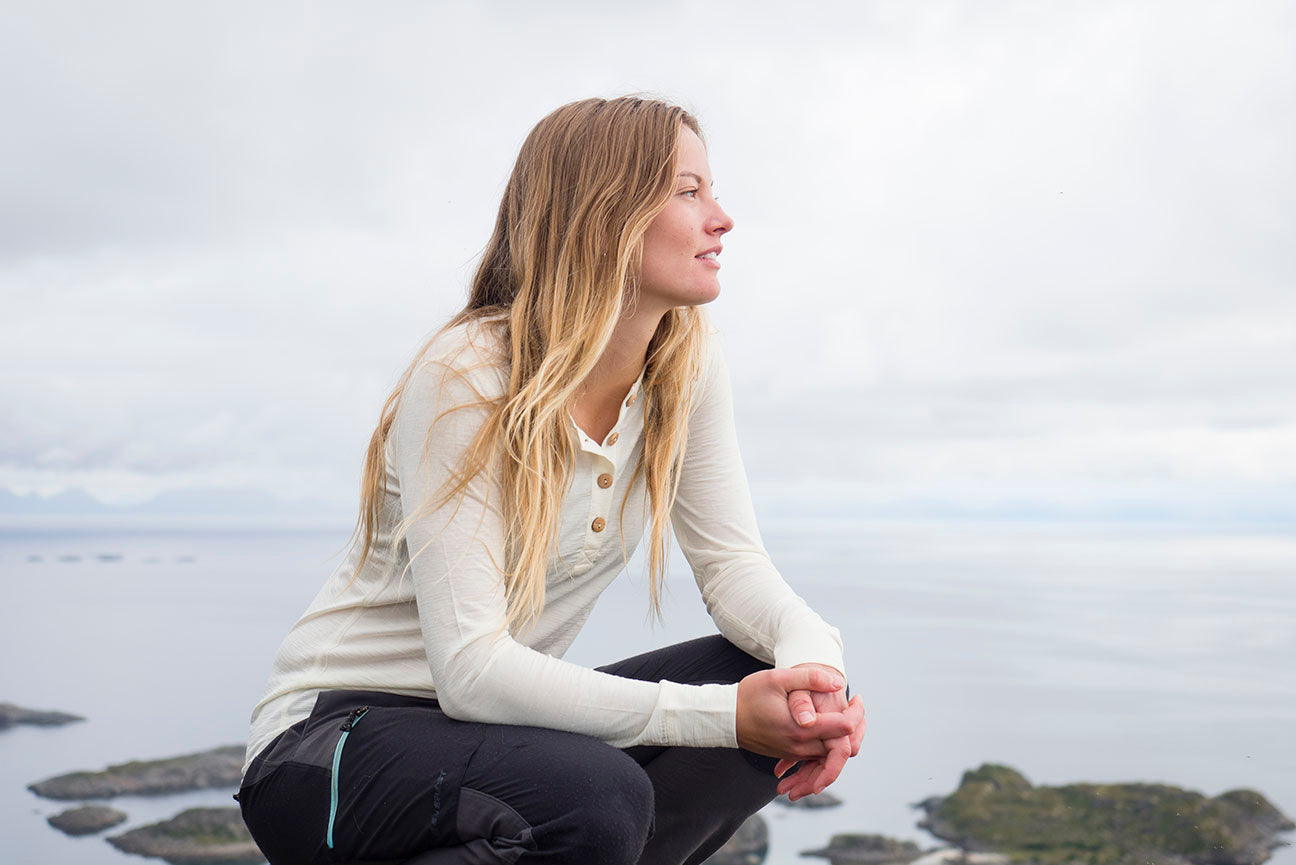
(432, 624)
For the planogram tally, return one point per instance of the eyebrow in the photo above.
(696, 177)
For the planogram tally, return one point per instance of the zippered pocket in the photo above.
(347, 727)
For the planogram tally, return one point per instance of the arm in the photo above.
(481, 673)
(750, 602)
(715, 524)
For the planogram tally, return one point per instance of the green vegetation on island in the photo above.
(219, 767)
(198, 836)
(996, 809)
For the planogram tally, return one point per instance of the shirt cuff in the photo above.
(699, 716)
(811, 646)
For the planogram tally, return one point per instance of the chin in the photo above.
(696, 295)
(704, 296)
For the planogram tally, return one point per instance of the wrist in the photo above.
(825, 667)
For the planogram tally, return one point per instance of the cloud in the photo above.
(1039, 250)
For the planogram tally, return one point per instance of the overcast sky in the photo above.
(989, 257)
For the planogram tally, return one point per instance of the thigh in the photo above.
(534, 795)
(703, 661)
(368, 777)
(406, 782)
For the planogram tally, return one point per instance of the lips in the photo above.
(710, 255)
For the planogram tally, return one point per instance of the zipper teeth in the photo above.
(333, 776)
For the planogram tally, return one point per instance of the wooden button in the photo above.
(604, 480)
(612, 439)
(598, 524)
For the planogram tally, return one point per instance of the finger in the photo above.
(809, 679)
(812, 748)
(858, 736)
(854, 713)
(798, 791)
(802, 708)
(799, 783)
(855, 708)
(829, 701)
(834, 725)
(833, 764)
(781, 767)
(810, 781)
(790, 782)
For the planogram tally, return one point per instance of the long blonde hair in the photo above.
(561, 266)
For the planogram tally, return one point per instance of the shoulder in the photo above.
(469, 356)
(449, 386)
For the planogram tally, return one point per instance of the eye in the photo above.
(692, 193)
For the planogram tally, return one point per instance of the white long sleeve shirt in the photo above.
(425, 617)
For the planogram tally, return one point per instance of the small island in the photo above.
(995, 809)
(813, 802)
(198, 836)
(11, 715)
(219, 767)
(867, 850)
(86, 820)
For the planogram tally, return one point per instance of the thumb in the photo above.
(802, 708)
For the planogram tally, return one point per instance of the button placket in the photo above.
(601, 495)
(600, 501)
(628, 402)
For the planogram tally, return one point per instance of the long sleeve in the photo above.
(715, 525)
(481, 672)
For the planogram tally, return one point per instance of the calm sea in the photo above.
(1073, 653)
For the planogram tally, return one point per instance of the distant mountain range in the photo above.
(223, 504)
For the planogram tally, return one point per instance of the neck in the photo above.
(623, 360)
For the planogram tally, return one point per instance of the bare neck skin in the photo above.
(601, 395)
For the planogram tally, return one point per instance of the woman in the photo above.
(419, 710)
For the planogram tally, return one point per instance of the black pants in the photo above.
(373, 777)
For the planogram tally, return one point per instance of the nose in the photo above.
(721, 222)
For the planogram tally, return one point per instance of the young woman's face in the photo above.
(680, 248)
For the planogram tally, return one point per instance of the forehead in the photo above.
(693, 155)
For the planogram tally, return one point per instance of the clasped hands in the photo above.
(800, 714)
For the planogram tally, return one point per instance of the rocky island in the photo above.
(995, 809)
(198, 836)
(11, 715)
(867, 850)
(86, 820)
(219, 767)
(813, 802)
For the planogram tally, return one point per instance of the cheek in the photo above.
(670, 236)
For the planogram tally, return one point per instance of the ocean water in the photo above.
(1071, 652)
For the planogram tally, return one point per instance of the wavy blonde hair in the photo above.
(561, 266)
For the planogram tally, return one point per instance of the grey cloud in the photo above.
(997, 248)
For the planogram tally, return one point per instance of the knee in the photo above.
(611, 810)
(727, 662)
